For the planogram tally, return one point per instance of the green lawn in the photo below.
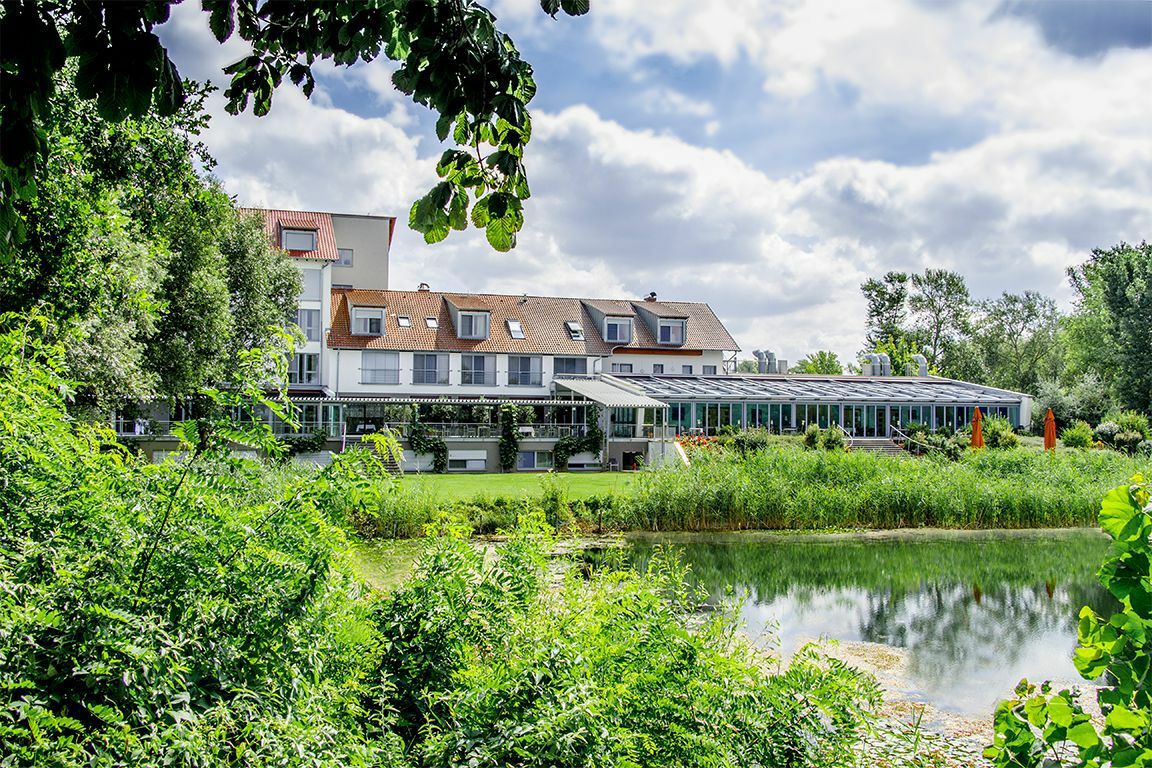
(579, 485)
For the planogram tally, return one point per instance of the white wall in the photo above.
(323, 305)
(671, 362)
(367, 236)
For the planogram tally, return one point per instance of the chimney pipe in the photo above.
(885, 364)
(761, 361)
(922, 362)
(423, 287)
(770, 362)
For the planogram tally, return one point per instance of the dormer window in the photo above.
(515, 329)
(575, 330)
(618, 329)
(368, 321)
(672, 332)
(473, 325)
(298, 239)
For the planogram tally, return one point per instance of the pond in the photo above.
(972, 612)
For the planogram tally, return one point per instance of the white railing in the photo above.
(848, 435)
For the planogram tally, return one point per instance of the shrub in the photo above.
(832, 439)
(1035, 726)
(1131, 421)
(998, 433)
(1106, 432)
(509, 436)
(487, 668)
(753, 440)
(183, 613)
(813, 437)
(1144, 449)
(1127, 442)
(1079, 435)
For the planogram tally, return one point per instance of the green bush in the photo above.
(1106, 432)
(193, 612)
(1131, 421)
(1079, 435)
(998, 433)
(833, 439)
(487, 668)
(1033, 727)
(813, 437)
(1127, 442)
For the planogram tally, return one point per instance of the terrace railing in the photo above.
(847, 434)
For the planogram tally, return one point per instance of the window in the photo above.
(309, 285)
(575, 330)
(478, 369)
(345, 255)
(471, 465)
(368, 321)
(309, 322)
(533, 460)
(524, 370)
(657, 367)
(515, 329)
(621, 367)
(618, 329)
(671, 331)
(686, 369)
(304, 369)
(404, 321)
(298, 239)
(571, 365)
(473, 325)
(709, 370)
(431, 322)
(429, 368)
(379, 367)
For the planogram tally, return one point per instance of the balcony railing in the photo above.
(475, 431)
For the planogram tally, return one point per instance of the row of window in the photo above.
(383, 367)
(658, 368)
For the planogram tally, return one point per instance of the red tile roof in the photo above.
(277, 220)
(541, 317)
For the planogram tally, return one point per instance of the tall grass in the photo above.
(804, 490)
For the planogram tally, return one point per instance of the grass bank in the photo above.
(780, 488)
(812, 490)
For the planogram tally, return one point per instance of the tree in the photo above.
(1017, 336)
(452, 59)
(748, 366)
(824, 363)
(154, 282)
(940, 307)
(1115, 311)
(887, 308)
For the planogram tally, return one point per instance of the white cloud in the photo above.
(666, 101)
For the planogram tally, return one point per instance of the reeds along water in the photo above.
(787, 488)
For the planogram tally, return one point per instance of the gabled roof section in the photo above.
(542, 318)
(275, 221)
(661, 309)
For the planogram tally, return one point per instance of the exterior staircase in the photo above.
(880, 445)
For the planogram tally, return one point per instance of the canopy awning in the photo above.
(608, 394)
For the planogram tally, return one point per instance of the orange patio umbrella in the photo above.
(1049, 431)
(977, 429)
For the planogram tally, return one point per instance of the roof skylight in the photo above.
(515, 329)
(575, 330)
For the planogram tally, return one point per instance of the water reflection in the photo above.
(974, 611)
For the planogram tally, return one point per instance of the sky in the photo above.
(764, 156)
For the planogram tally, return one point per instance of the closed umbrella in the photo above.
(1049, 431)
(977, 429)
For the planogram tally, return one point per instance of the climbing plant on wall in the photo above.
(509, 436)
(423, 441)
